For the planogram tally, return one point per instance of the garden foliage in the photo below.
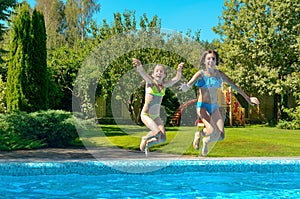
(53, 128)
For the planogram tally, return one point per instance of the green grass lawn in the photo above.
(249, 141)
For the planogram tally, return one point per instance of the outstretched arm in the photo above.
(141, 70)
(177, 77)
(186, 86)
(250, 100)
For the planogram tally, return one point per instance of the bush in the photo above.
(11, 139)
(53, 128)
(294, 122)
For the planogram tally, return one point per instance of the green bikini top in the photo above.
(152, 89)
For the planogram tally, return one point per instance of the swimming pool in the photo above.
(173, 179)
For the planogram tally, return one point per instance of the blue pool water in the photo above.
(173, 179)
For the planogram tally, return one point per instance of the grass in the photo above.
(249, 141)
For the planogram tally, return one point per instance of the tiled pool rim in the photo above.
(157, 166)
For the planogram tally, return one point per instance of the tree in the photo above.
(87, 10)
(27, 83)
(64, 63)
(149, 45)
(2, 96)
(20, 48)
(5, 12)
(260, 48)
(78, 15)
(37, 88)
(53, 12)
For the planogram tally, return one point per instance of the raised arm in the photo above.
(250, 100)
(186, 86)
(177, 77)
(141, 70)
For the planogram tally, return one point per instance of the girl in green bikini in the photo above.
(208, 81)
(155, 90)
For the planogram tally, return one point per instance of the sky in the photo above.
(178, 15)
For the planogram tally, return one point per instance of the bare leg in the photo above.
(197, 138)
(155, 128)
(198, 134)
(207, 121)
(161, 136)
(214, 127)
(214, 124)
(151, 124)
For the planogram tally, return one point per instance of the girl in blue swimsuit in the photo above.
(208, 81)
(155, 90)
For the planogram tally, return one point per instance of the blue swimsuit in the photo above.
(208, 82)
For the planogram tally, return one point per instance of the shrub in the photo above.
(53, 128)
(294, 122)
(12, 139)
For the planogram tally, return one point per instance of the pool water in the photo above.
(197, 180)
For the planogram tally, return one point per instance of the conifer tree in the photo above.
(19, 60)
(5, 12)
(27, 81)
(37, 71)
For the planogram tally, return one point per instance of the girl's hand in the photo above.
(136, 62)
(254, 101)
(184, 87)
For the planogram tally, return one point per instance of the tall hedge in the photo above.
(27, 81)
(37, 93)
(19, 60)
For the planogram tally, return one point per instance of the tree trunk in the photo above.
(277, 108)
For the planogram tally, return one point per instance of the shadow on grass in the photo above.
(114, 130)
(104, 131)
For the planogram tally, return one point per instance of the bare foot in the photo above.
(146, 150)
(152, 141)
(143, 144)
(196, 140)
(204, 147)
